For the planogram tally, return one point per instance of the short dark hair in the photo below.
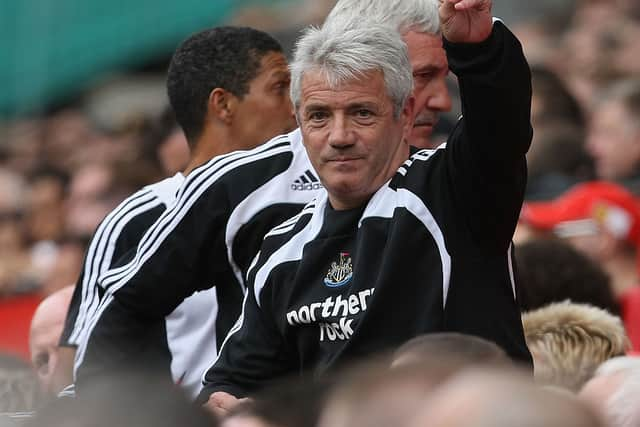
(221, 57)
(550, 270)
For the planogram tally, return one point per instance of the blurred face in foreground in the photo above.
(46, 327)
(351, 135)
(430, 69)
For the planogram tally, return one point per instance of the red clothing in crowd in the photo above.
(630, 303)
(15, 320)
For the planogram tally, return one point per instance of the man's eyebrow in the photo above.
(315, 106)
(358, 105)
(284, 75)
(427, 69)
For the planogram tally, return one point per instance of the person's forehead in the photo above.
(316, 86)
(425, 49)
(273, 63)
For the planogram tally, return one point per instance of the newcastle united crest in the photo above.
(339, 273)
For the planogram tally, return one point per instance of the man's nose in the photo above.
(339, 134)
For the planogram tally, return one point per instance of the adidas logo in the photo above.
(306, 181)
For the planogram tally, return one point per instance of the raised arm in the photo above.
(487, 149)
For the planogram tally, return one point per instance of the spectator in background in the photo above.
(557, 158)
(602, 220)
(164, 141)
(53, 372)
(552, 103)
(596, 50)
(614, 135)
(569, 341)
(14, 259)
(614, 391)
(45, 215)
(551, 270)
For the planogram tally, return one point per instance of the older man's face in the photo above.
(430, 69)
(351, 135)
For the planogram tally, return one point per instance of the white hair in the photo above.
(401, 15)
(345, 54)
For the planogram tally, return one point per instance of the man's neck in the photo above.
(209, 145)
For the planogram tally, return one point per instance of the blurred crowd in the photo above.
(576, 247)
(59, 176)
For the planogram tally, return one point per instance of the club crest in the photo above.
(339, 273)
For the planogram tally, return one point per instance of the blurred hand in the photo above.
(220, 403)
(465, 21)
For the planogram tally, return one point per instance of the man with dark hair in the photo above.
(218, 80)
(230, 74)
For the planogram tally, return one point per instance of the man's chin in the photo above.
(421, 137)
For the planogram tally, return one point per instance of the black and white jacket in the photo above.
(430, 251)
(206, 238)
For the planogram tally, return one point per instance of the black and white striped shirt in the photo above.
(430, 251)
(189, 329)
(207, 237)
(119, 232)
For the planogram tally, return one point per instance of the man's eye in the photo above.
(364, 114)
(317, 116)
(426, 75)
(281, 86)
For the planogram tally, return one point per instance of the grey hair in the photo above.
(401, 15)
(345, 54)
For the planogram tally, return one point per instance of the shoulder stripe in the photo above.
(511, 274)
(196, 183)
(292, 249)
(289, 224)
(172, 217)
(386, 201)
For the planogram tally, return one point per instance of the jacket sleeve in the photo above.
(118, 233)
(171, 262)
(486, 151)
(184, 251)
(487, 168)
(253, 354)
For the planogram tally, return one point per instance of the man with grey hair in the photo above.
(397, 246)
(417, 23)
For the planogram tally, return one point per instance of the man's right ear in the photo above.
(221, 105)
